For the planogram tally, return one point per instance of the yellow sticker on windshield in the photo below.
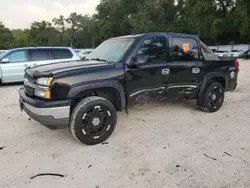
(185, 47)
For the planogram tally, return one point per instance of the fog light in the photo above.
(42, 93)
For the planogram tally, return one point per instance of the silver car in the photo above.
(14, 62)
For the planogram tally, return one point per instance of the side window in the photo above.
(185, 49)
(40, 54)
(155, 48)
(62, 53)
(17, 56)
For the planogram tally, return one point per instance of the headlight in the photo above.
(42, 93)
(44, 81)
(42, 90)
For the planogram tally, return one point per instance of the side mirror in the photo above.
(5, 60)
(139, 60)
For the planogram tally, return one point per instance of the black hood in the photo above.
(56, 68)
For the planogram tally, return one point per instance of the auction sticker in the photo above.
(185, 47)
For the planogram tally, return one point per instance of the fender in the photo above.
(75, 90)
(208, 77)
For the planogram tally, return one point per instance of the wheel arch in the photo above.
(110, 90)
(216, 76)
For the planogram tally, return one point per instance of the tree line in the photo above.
(215, 21)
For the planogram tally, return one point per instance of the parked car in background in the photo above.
(213, 48)
(241, 49)
(235, 53)
(221, 53)
(14, 62)
(3, 51)
(245, 55)
(84, 54)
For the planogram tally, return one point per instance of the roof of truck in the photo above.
(157, 33)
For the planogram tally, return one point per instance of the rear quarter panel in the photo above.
(223, 68)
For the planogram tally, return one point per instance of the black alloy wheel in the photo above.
(215, 96)
(211, 100)
(96, 121)
(93, 120)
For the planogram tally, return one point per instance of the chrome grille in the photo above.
(28, 90)
(28, 79)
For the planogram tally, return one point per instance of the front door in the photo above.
(185, 67)
(148, 80)
(13, 70)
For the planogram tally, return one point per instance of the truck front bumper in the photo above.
(51, 114)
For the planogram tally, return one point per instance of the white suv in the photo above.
(221, 53)
(14, 62)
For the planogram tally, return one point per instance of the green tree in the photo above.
(74, 21)
(21, 38)
(43, 34)
(6, 37)
(60, 23)
(87, 32)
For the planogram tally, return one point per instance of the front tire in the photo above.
(212, 98)
(93, 120)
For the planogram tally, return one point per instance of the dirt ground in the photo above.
(161, 144)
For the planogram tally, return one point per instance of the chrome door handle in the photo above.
(165, 71)
(196, 70)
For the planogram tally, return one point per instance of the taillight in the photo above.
(237, 65)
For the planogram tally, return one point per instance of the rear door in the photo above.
(40, 56)
(13, 71)
(185, 67)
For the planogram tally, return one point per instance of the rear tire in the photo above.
(93, 120)
(212, 98)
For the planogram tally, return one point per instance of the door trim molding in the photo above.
(181, 86)
(145, 90)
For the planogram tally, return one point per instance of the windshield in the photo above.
(111, 50)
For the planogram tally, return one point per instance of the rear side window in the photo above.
(62, 53)
(185, 49)
(40, 55)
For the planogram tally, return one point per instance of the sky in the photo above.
(19, 14)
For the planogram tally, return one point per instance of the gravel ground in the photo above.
(161, 144)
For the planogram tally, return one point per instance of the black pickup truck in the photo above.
(123, 72)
